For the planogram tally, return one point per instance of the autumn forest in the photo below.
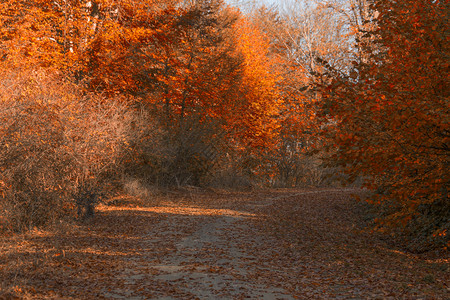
(214, 121)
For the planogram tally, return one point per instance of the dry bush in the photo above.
(34, 164)
(302, 169)
(59, 148)
(112, 140)
(232, 175)
(188, 154)
(229, 179)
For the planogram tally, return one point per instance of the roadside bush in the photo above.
(426, 230)
(188, 154)
(35, 167)
(297, 167)
(59, 148)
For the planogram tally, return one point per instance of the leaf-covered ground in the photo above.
(278, 244)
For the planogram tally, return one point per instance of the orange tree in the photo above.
(94, 40)
(195, 94)
(206, 76)
(27, 34)
(259, 100)
(388, 119)
(119, 54)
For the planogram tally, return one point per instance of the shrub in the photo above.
(59, 148)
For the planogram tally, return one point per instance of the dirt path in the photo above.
(204, 245)
(208, 265)
(206, 262)
(211, 263)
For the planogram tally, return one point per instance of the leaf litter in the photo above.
(272, 244)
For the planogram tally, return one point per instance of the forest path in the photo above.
(277, 244)
(207, 260)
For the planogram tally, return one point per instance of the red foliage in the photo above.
(391, 116)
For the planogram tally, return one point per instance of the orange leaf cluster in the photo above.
(391, 120)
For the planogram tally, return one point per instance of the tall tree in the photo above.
(259, 87)
(390, 116)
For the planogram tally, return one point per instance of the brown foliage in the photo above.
(56, 143)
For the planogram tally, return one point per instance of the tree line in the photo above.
(177, 93)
